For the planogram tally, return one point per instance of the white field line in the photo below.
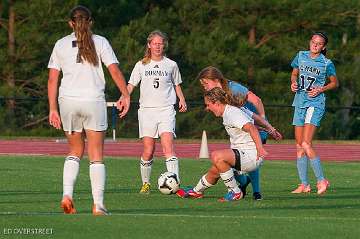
(313, 218)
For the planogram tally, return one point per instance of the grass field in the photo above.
(31, 191)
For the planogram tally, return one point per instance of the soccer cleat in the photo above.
(145, 188)
(192, 194)
(67, 205)
(99, 211)
(302, 188)
(231, 196)
(322, 186)
(257, 196)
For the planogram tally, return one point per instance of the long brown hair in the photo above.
(217, 94)
(147, 55)
(81, 19)
(214, 74)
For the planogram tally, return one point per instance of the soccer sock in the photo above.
(145, 170)
(241, 178)
(302, 168)
(316, 166)
(172, 165)
(229, 180)
(70, 173)
(97, 178)
(202, 185)
(255, 180)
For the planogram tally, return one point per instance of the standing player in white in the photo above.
(246, 152)
(160, 80)
(82, 102)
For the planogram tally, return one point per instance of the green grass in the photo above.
(31, 191)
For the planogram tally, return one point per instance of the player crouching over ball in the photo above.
(246, 152)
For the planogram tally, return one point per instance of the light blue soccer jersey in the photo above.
(237, 88)
(312, 73)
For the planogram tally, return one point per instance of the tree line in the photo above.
(251, 41)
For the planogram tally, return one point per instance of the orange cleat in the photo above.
(302, 188)
(322, 186)
(99, 211)
(67, 205)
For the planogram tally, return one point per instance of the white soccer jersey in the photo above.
(233, 120)
(81, 81)
(157, 80)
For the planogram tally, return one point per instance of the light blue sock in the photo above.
(316, 166)
(302, 168)
(255, 180)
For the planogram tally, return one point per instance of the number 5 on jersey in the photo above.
(156, 83)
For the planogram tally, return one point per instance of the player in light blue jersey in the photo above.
(210, 77)
(311, 70)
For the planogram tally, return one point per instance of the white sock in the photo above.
(97, 178)
(145, 170)
(70, 173)
(172, 165)
(229, 180)
(202, 185)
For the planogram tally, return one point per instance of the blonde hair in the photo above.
(217, 94)
(81, 18)
(147, 55)
(214, 74)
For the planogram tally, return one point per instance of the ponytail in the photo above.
(82, 21)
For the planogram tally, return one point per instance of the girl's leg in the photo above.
(71, 169)
(146, 163)
(172, 162)
(97, 172)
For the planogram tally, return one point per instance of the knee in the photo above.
(299, 148)
(215, 158)
(305, 145)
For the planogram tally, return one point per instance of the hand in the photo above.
(54, 119)
(261, 153)
(294, 86)
(123, 105)
(315, 91)
(182, 106)
(275, 134)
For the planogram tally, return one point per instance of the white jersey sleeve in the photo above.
(107, 54)
(135, 76)
(54, 61)
(247, 111)
(176, 75)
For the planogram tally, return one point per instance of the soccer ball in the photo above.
(168, 183)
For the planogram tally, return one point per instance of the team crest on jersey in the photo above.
(156, 66)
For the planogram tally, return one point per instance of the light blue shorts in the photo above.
(308, 115)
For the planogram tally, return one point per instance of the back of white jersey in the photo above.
(234, 119)
(157, 81)
(81, 80)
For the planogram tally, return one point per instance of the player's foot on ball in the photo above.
(322, 186)
(145, 188)
(99, 210)
(257, 196)
(302, 188)
(67, 205)
(231, 196)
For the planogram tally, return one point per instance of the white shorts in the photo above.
(248, 162)
(155, 121)
(79, 115)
